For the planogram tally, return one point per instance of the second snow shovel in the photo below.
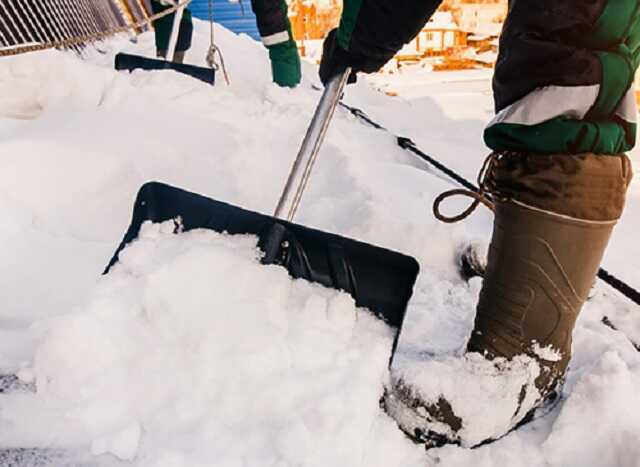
(135, 62)
(378, 279)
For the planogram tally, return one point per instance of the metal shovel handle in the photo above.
(175, 30)
(302, 166)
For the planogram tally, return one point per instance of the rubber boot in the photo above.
(178, 56)
(545, 252)
(540, 268)
(554, 215)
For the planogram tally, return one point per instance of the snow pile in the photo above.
(191, 340)
(488, 403)
(606, 394)
(34, 88)
(547, 353)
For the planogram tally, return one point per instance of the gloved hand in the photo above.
(335, 60)
(285, 64)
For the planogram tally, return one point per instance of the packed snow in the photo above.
(192, 353)
(495, 406)
(190, 338)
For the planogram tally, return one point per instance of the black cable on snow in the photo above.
(607, 322)
(408, 145)
(621, 286)
(362, 116)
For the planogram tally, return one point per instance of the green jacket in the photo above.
(275, 31)
(564, 77)
(564, 81)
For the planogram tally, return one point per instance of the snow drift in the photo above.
(191, 339)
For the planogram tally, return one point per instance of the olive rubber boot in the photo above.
(554, 215)
(553, 219)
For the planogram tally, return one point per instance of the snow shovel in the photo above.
(134, 62)
(378, 279)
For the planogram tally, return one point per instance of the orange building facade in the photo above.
(313, 20)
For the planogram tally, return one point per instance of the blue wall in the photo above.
(229, 15)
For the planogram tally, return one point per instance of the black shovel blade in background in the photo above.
(135, 62)
(378, 279)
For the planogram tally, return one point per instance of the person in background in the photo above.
(163, 27)
(275, 31)
(556, 180)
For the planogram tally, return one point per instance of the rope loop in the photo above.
(478, 199)
(214, 49)
(211, 57)
(213, 63)
(480, 196)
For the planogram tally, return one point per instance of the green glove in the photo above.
(285, 64)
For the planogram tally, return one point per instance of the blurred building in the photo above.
(461, 34)
(481, 18)
(313, 19)
(440, 36)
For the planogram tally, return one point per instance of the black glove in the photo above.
(335, 60)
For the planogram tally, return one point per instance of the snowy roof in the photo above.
(487, 57)
(409, 49)
(478, 37)
(486, 29)
(441, 20)
(190, 352)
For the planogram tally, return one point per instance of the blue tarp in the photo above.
(228, 14)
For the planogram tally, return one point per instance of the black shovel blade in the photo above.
(134, 62)
(378, 279)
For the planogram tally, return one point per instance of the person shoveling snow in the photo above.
(154, 366)
(556, 181)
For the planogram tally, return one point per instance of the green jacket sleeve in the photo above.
(378, 29)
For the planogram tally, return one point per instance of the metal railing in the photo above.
(27, 25)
